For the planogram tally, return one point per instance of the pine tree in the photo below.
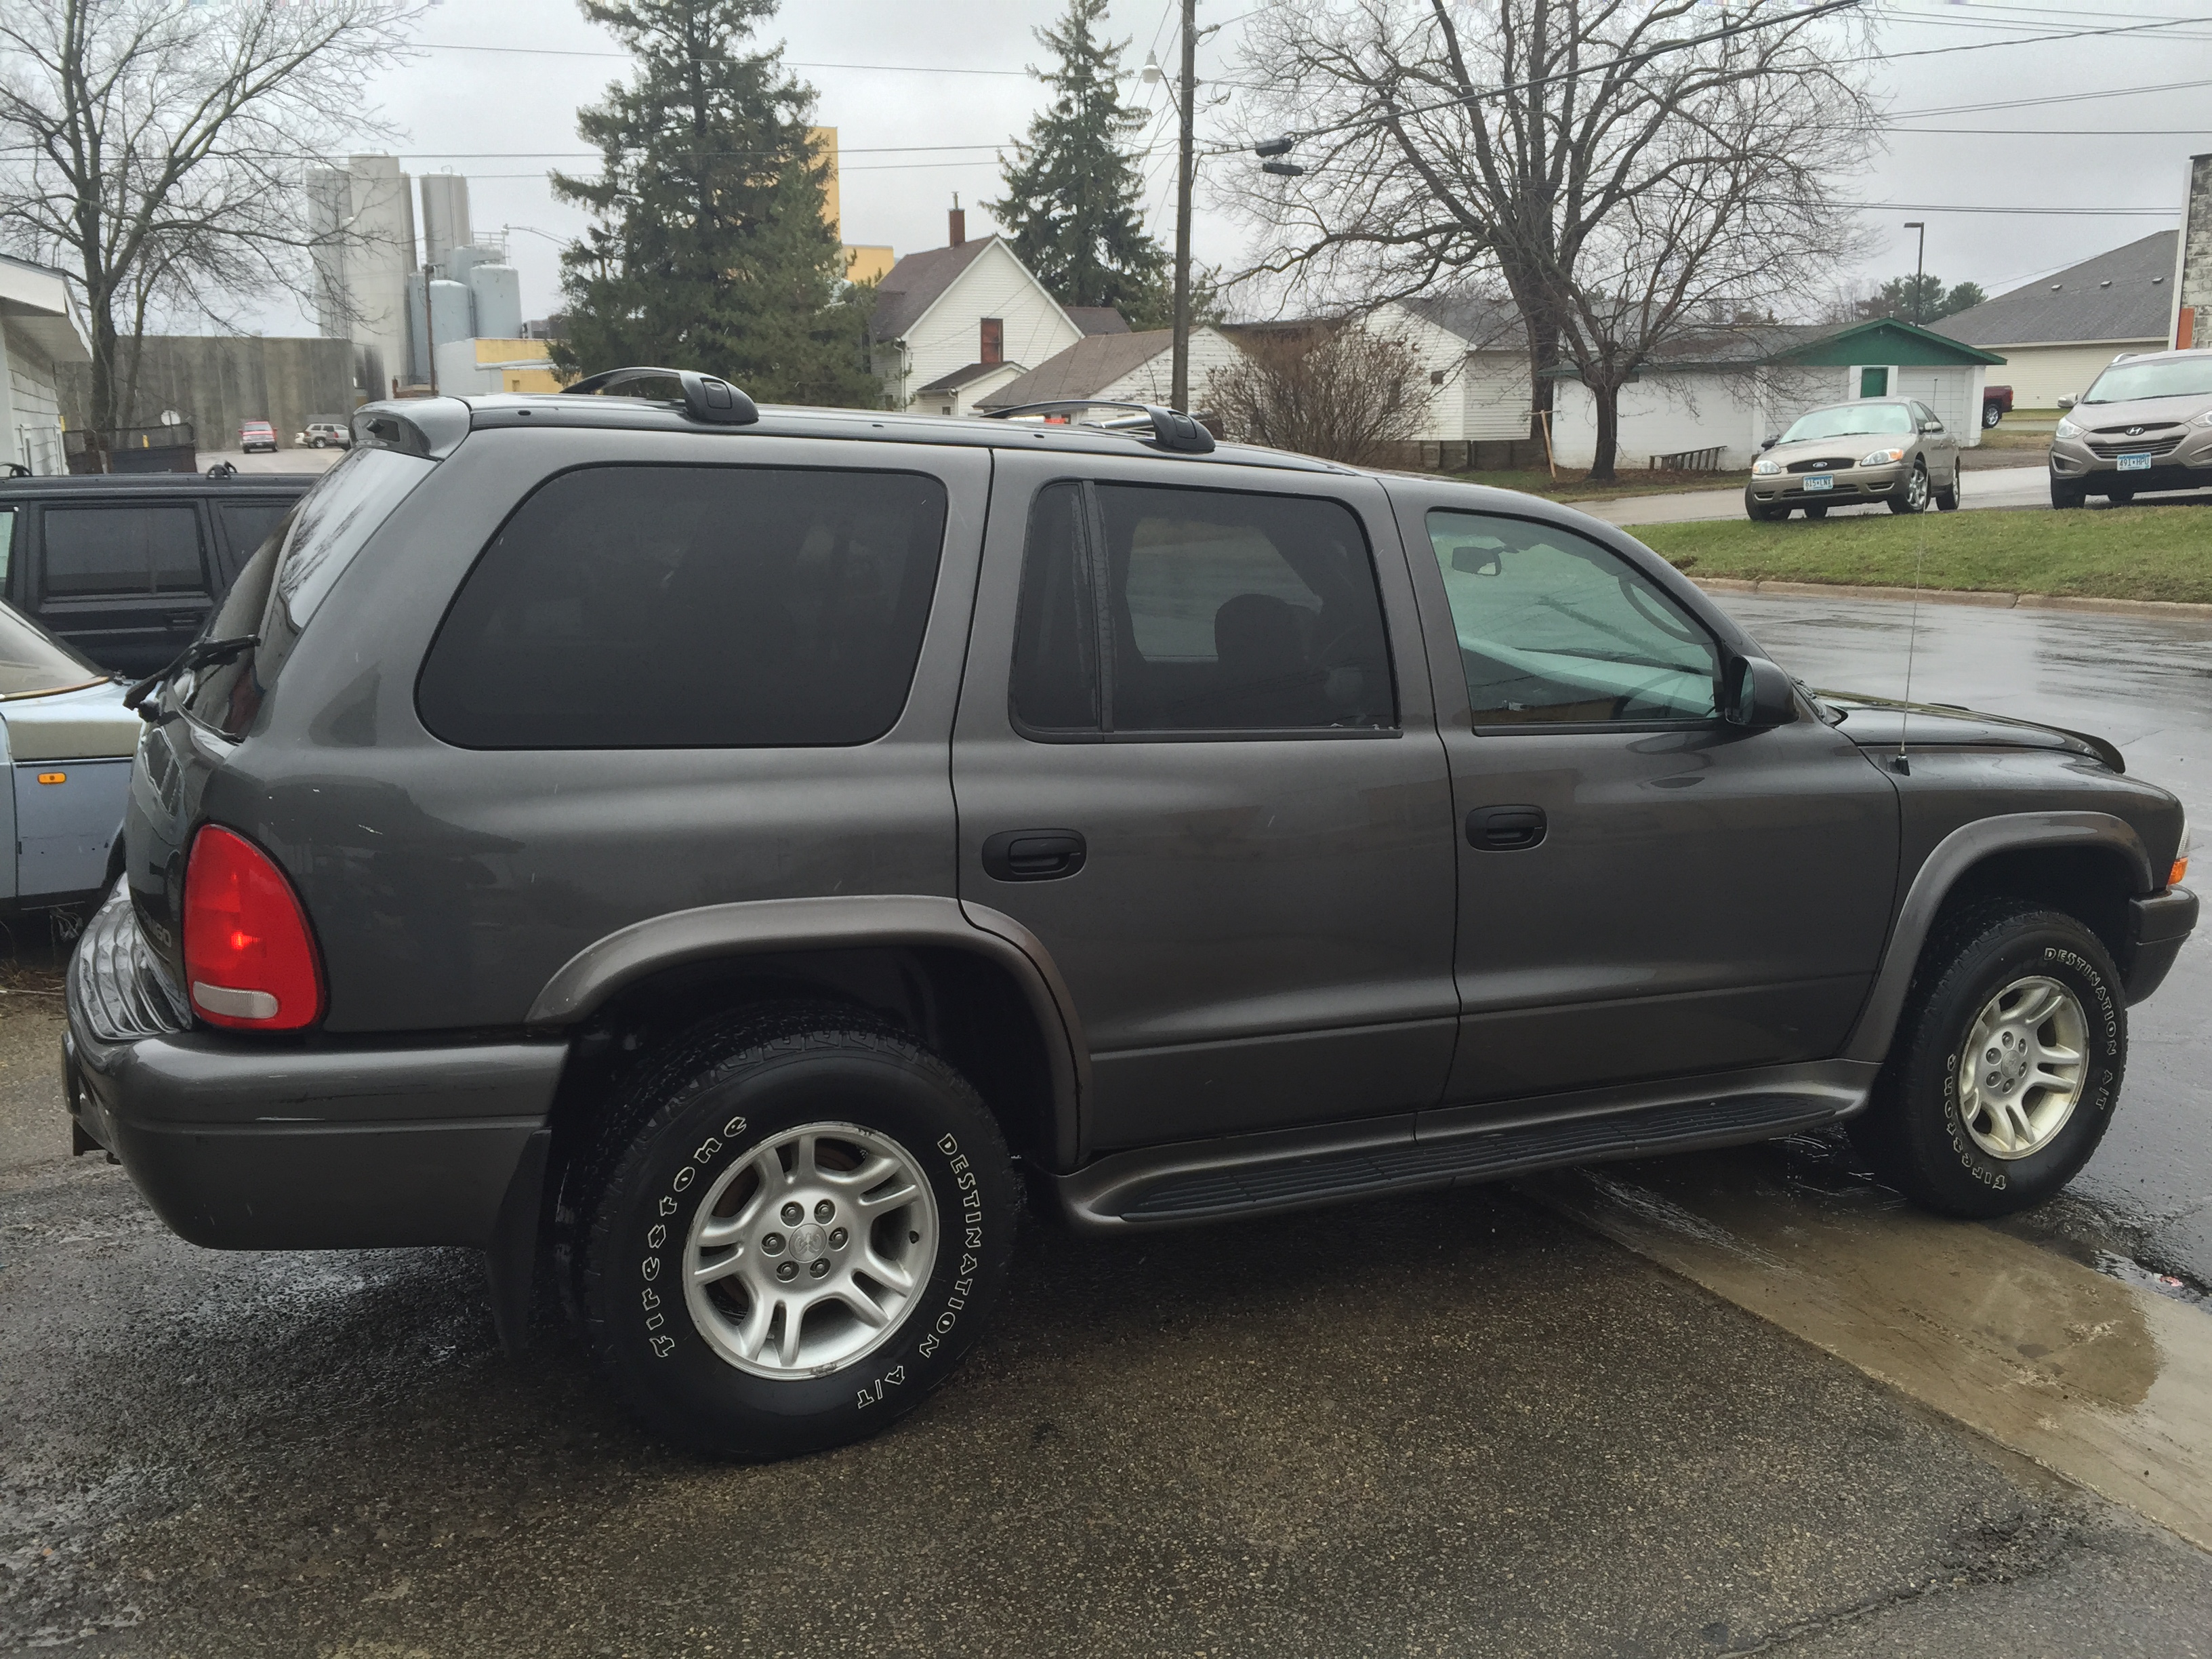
(709, 249)
(1073, 206)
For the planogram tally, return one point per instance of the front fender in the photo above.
(1952, 857)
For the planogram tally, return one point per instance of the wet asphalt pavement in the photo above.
(1457, 1424)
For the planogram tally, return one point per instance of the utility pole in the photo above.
(1919, 266)
(1179, 382)
(429, 328)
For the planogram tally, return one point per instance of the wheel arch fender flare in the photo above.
(601, 969)
(1942, 869)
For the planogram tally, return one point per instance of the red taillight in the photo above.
(249, 959)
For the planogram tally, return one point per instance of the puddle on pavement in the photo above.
(2105, 1376)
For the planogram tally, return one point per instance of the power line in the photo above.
(788, 62)
(2055, 98)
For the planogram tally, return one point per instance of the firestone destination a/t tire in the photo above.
(2007, 1064)
(733, 1328)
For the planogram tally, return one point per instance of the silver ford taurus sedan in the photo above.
(1878, 449)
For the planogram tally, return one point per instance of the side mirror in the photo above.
(1755, 694)
(2068, 403)
(1770, 441)
(1931, 426)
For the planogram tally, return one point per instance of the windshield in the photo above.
(1848, 420)
(2165, 377)
(33, 660)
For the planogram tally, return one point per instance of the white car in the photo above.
(68, 742)
(324, 434)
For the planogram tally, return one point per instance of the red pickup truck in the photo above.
(1996, 404)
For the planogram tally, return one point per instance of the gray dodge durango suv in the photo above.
(718, 855)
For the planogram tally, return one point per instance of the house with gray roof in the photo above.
(39, 337)
(1474, 349)
(954, 324)
(1128, 367)
(2057, 332)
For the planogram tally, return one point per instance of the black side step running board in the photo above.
(1254, 1175)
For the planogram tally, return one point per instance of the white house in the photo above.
(1725, 390)
(1121, 369)
(37, 329)
(1475, 350)
(2059, 331)
(954, 325)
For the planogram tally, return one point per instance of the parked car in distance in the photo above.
(257, 434)
(720, 841)
(124, 568)
(324, 434)
(1876, 449)
(2145, 425)
(69, 740)
(1996, 404)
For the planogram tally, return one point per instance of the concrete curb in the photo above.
(1951, 595)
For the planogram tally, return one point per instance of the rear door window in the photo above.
(1196, 611)
(641, 607)
(111, 552)
(246, 524)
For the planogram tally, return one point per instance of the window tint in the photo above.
(1221, 612)
(7, 544)
(295, 567)
(248, 524)
(691, 607)
(102, 551)
(1554, 628)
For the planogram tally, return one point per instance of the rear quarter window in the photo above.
(638, 607)
(290, 575)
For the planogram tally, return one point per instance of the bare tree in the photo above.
(1621, 165)
(1342, 392)
(155, 152)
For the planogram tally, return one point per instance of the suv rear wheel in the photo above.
(797, 1225)
(2006, 1067)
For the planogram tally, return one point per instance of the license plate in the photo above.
(2135, 463)
(1820, 481)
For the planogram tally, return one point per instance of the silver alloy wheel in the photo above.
(807, 1255)
(2021, 1070)
(1915, 490)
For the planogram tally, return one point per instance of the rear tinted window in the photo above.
(289, 577)
(103, 552)
(248, 524)
(629, 607)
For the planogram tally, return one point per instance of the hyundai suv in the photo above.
(2145, 425)
(710, 851)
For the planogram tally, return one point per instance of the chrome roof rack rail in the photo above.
(1171, 429)
(706, 398)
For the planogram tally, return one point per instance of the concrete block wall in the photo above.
(218, 382)
(2193, 281)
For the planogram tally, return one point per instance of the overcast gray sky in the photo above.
(494, 91)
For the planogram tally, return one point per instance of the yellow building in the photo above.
(517, 366)
(862, 265)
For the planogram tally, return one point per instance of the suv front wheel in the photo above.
(2006, 1067)
(797, 1225)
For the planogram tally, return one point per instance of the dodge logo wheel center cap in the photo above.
(809, 1242)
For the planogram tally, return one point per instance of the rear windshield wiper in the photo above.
(200, 653)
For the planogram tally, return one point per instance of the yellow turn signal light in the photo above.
(53, 777)
(2180, 870)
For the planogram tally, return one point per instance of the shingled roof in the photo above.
(1084, 369)
(2125, 294)
(914, 284)
(1485, 324)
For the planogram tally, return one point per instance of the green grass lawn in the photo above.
(2115, 553)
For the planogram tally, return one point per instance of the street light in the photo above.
(1919, 266)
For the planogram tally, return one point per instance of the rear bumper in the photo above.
(2158, 926)
(246, 1145)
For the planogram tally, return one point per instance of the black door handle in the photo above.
(183, 619)
(1504, 828)
(1033, 854)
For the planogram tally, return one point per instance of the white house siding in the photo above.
(32, 418)
(2039, 375)
(1952, 391)
(1663, 414)
(1151, 380)
(1494, 396)
(962, 400)
(949, 335)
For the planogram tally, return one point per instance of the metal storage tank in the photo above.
(449, 313)
(445, 216)
(498, 290)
